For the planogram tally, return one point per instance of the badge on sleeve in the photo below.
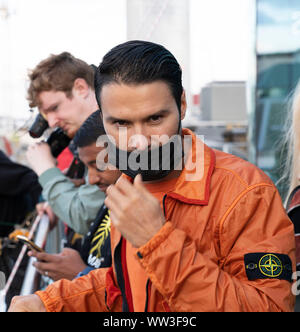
(268, 266)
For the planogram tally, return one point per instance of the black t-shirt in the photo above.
(96, 250)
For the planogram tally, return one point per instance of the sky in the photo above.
(220, 45)
(276, 22)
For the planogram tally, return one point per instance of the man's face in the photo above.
(61, 111)
(103, 179)
(144, 110)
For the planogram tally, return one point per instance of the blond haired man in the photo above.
(61, 86)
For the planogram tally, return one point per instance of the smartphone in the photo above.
(30, 244)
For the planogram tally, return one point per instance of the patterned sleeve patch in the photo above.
(268, 266)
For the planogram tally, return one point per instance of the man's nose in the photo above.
(138, 140)
(93, 178)
(52, 120)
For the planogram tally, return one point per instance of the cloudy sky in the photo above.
(279, 26)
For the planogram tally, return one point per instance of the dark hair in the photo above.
(139, 62)
(90, 130)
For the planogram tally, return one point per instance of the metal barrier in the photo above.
(31, 279)
(52, 241)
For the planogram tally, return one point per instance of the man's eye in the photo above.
(120, 123)
(54, 108)
(155, 118)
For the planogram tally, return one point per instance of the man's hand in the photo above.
(28, 303)
(65, 265)
(40, 158)
(44, 208)
(134, 211)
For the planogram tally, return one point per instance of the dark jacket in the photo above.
(19, 193)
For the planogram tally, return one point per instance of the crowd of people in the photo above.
(160, 221)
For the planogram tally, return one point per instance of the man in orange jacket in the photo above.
(193, 229)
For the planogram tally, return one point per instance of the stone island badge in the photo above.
(268, 265)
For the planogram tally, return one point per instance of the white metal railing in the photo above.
(31, 279)
(53, 243)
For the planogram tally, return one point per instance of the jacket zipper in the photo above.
(148, 284)
(122, 276)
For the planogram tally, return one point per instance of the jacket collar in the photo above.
(193, 184)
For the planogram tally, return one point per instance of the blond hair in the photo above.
(291, 172)
(57, 73)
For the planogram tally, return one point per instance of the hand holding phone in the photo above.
(30, 244)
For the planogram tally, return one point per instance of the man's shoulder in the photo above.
(240, 170)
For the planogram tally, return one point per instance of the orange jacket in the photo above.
(197, 261)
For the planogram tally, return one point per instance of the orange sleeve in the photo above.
(191, 281)
(84, 294)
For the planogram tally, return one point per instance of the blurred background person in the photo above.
(292, 169)
(19, 193)
(61, 86)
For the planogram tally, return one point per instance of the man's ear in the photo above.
(81, 87)
(183, 105)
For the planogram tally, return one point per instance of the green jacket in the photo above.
(76, 206)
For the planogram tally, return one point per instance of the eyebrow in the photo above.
(161, 112)
(49, 108)
(91, 162)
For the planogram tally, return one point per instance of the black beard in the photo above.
(152, 164)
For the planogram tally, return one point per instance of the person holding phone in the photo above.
(95, 250)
